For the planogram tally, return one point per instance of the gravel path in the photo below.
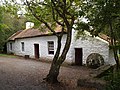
(21, 74)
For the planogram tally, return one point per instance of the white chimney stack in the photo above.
(29, 25)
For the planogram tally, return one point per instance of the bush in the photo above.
(113, 80)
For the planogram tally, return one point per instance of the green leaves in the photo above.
(100, 12)
(9, 23)
(104, 16)
(82, 26)
(55, 12)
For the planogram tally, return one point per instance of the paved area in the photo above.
(22, 74)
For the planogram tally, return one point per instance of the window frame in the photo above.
(50, 47)
(11, 46)
(22, 46)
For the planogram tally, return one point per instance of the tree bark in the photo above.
(53, 73)
(113, 43)
(58, 60)
(116, 58)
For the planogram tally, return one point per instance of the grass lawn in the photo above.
(7, 55)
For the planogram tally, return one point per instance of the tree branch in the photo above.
(55, 17)
(61, 14)
(41, 20)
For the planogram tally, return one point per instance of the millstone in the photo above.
(95, 60)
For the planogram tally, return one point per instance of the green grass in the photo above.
(7, 55)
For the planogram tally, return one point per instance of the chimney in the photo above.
(29, 25)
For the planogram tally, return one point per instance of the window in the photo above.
(22, 43)
(50, 47)
(10, 46)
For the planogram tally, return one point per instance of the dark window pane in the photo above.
(22, 43)
(50, 47)
(10, 46)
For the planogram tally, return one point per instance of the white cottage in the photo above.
(43, 45)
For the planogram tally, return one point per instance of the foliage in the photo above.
(99, 14)
(30, 18)
(113, 79)
(45, 12)
(104, 16)
(52, 13)
(9, 23)
(106, 12)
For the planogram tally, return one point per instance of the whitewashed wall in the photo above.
(88, 44)
(8, 47)
(29, 46)
(91, 45)
(111, 57)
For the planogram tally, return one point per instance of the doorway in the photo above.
(36, 50)
(78, 56)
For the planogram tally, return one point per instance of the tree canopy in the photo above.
(53, 13)
(9, 23)
(104, 16)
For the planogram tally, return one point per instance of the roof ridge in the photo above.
(32, 32)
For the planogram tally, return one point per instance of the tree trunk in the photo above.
(113, 43)
(54, 70)
(59, 59)
(53, 73)
(116, 57)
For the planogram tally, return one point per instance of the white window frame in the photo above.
(50, 47)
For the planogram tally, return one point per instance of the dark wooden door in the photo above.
(78, 56)
(36, 48)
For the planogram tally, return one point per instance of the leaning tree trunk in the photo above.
(59, 59)
(54, 70)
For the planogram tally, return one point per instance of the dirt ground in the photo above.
(25, 74)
